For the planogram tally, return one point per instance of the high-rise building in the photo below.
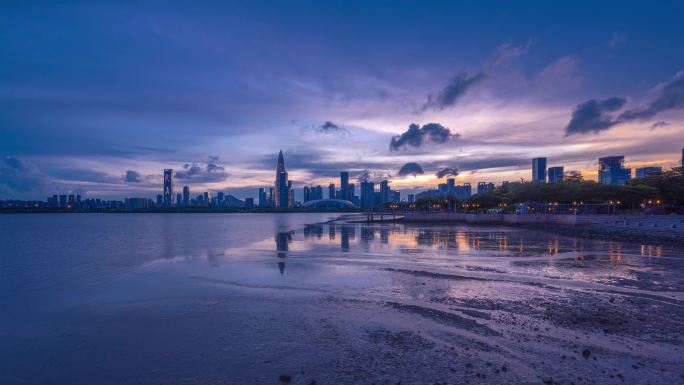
(483, 187)
(186, 196)
(464, 192)
(643, 172)
(612, 170)
(319, 193)
(682, 157)
(384, 192)
(331, 191)
(168, 187)
(206, 198)
(411, 198)
(221, 198)
(179, 200)
(282, 185)
(249, 203)
(367, 195)
(307, 194)
(62, 200)
(556, 174)
(451, 186)
(263, 202)
(351, 192)
(539, 170)
(344, 186)
(160, 200)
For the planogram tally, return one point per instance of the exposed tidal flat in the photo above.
(301, 298)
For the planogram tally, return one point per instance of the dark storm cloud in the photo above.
(410, 168)
(19, 177)
(416, 136)
(453, 91)
(461, 83)
(211, 167)
(669, 96)
(132, 176)
(594, 116)
(448, 171)
(659, 124)
(331, 128)
(198, 174)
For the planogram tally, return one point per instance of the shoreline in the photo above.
(659, 230)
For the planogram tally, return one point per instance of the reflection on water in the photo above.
(517, 252)
(206, 289)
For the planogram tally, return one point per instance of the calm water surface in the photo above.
(246, 298)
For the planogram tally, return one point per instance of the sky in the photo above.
(98, 98)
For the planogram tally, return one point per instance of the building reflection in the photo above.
(282, 241)
(346, 233)
(313, 231)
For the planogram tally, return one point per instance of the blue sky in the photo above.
(99, 97)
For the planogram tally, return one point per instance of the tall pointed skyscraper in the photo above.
(282, 186)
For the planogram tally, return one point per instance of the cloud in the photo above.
(410, 168)
(131, 176)
(659, 124)
(560, 76)
(507, 52)
(331, 128)
(454, 90)
(616, 39)
(211, 167)
(21, 179)
(594, 115)
(364, 176)
(416, 136)
(448, 171)
(213, 158)
(669, 96)
(211, 173)
(461, 83)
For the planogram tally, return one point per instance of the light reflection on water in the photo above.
(191, 278)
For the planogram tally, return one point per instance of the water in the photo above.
(246, 298)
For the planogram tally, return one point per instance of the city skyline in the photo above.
(369, 95)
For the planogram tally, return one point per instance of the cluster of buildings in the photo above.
(281, 195)
(611, 171)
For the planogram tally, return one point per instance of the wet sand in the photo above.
(385, 304)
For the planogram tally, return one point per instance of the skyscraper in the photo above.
(186, 196)
(556, 174)
(263, 201)
(539, 170)
(282, 187)
(682, 157)
(612, 170)
(384, 192)
(643, 172)
(307, 194)
(344, 186)
(451, 186)
(331, 191)
(168, 187)
(367, 195)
